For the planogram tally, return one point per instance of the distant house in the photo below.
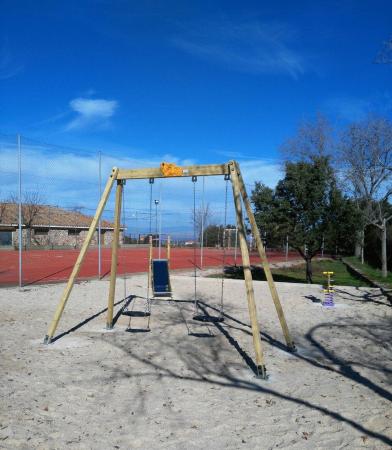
(50, 227)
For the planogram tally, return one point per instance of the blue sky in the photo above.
(198, 81)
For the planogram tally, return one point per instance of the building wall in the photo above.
(61, 238)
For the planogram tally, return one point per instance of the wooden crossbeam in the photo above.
(187, 171)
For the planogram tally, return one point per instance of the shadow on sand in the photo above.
(212, 368)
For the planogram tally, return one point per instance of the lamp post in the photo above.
(156, 218)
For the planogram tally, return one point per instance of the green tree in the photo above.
(365, 150)
(307, 207)
(303, 198)
(265, 208)
(344, 220)
(213, 235)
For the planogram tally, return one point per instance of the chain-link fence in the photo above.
(48, 196)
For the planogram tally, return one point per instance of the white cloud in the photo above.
(269, 172)
(91, 112)
(348, 108)
(56, 175)
(9, 68)
(252, 47)
(351, 109)
(94, 107)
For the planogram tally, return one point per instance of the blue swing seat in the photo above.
(160, 278)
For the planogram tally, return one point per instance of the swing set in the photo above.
(158, 274)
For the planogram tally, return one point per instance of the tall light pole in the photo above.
(20, 236)
(99, 222)
(202, 226)
(156, 218)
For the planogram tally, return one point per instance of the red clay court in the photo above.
(46, 266)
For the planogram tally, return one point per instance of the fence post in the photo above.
(20, 209)
(99, 222)
(202, 225)
(287, 247)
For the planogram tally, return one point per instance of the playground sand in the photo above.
(98, 389)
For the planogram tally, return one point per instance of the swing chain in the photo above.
(123, 183)
(194, 180)
(148, 300)
(151, 181)
(227, 178)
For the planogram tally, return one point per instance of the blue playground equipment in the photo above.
(161, 278)
(328, 291)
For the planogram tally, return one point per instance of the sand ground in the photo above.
(186, 385)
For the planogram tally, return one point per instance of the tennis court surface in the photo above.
(46, 266)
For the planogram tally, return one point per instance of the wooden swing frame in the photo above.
(231, 169)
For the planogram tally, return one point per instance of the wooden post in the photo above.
(168, 251)
(82, 254)
(113, 269)
(264, 262)
(247, 273)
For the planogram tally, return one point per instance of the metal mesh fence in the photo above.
(49, 194)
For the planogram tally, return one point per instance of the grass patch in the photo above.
(371, 272)
(296, 274)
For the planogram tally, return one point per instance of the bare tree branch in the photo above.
(385, 55)
(313, 139)
(366, 157)
(31, 207)
(200, 218)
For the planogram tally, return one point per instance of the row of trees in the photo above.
(335, 187)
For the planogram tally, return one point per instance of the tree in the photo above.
(366, 156)
(343, 219)
(313, 138)
(31, 207)
(263, 200)
(303, 204)
(213, 235)
(306, 206)
(200, 219)
(373, 243)
(3, 206)
(385, 55)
